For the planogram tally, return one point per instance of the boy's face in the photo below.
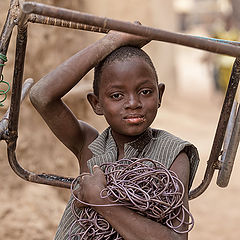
(128, 97)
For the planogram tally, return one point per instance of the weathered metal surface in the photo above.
(148, 32)
(7, 29)
(229, 129)
(12, 131)
(72, 19)
(4, 122)
(34, 18)
(213, 162)
(228, 160)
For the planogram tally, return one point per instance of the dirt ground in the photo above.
(32, 211)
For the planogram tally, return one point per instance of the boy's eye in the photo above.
(145, 92)
(116, 96)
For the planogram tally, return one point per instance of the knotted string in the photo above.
(143, 185)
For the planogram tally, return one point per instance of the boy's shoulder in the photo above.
(102, 142)
(164, 135)
(164, 141)
(166, 147)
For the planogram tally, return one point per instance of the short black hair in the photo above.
(120, 54)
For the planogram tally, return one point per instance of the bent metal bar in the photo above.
(45, 14)
(208, 44)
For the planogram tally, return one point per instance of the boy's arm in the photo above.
(46, 94)
(129, 224)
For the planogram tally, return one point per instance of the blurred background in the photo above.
(195, 85)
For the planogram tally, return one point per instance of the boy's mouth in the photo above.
(135, 119)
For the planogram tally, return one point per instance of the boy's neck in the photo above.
(121, 140)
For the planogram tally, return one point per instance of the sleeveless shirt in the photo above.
(155, 144)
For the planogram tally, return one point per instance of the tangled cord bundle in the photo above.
(143, 185)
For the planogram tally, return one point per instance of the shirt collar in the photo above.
(105, 142)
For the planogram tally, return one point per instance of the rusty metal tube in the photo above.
(17, 78)
(12, 131)
(213, 161)
(151, 33)
(230, 154)
(34, 18)
(4, 122)
(148, 32)
(15, 99)
(7, 31)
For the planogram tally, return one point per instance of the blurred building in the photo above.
(236, 12)
(204, 12)
(209, 18)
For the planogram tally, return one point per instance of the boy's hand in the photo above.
(90, 187)
(128, 39)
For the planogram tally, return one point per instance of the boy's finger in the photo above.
(137, 22)
(82, 175)
(97, 170)
(78, 204)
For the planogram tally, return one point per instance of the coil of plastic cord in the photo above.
(143, 185)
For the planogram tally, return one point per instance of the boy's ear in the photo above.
(94, 102)
(161, 89)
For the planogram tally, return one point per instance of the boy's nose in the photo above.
(133, 102)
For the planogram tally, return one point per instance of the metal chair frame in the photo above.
(22, 13)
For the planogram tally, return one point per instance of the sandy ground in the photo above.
(32, 211)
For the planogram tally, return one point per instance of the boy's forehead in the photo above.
(125, 75)
(127, 60)
(129, 66)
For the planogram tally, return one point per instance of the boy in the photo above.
(127, 93)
